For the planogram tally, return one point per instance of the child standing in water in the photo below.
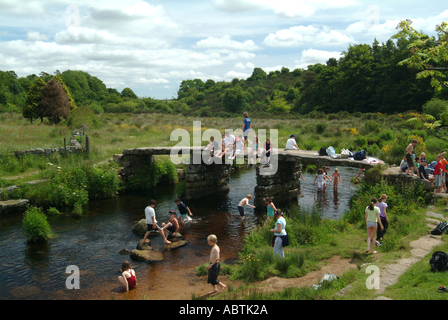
(337, 177)
(320, 177)
(184, 211)
(270, 208)
(214, 266)
(128, 277)
(244, 202)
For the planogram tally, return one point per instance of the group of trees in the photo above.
(402, 74)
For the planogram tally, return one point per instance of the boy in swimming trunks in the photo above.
(244, 202)
(214, 266)
(183, 210)
(171, 227)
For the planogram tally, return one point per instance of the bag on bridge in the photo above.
(360, 155)
(331, 151)
(323, 151)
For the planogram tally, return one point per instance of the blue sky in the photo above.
(151, 46)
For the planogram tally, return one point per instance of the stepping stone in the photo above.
(435, 215)
(146, 255)
(145, 246)
(13, 206)
(175, 245)
(175, 237)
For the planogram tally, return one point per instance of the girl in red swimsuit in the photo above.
(128, 278)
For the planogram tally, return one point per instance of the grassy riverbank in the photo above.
(314, 240)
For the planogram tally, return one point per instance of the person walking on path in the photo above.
(372, 219)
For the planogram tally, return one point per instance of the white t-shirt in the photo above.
(149, 213)
(229, 139)
(290, 144)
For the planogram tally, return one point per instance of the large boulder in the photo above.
(146, 255)
(140, 228)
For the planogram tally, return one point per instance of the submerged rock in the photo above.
(25, 291)
(144, 246)
(146, 255)
(175, 237)
(125, 251)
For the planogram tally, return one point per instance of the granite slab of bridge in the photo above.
(279, 180)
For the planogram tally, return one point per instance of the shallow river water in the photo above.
(93, 242)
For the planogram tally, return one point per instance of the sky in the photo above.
(151, 46)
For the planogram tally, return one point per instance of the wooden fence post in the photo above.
(87, 144)
(65, 147)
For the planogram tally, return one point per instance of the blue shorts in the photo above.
(241, 211)
(438, 182)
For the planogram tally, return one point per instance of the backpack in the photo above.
(323, 151)
(439, 261)
(360, 155)
(331, 151)
(443, 226)
(345, 153)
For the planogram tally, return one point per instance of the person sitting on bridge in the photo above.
(291, 143)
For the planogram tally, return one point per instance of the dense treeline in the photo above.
(367, 79)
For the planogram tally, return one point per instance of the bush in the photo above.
(320, 128)
(35, 225)
(435, 107)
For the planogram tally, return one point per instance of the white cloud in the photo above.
(226, 42)
(150, 81)
(247, 66)
(303, 35)
(36, 36)
(282, 8)
(239, 75)
(313, 56)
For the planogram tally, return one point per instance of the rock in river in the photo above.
(13, 206)
(146, 255)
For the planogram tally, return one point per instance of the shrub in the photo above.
(53, 211)
(320, 128)
(35, 225)
(372, 126)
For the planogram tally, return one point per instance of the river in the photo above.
(93, 242)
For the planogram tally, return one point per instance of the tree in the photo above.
(277, 104)
(429, 55)
(33, 107)
(67, 92)
(258, 74)
(54, 102)
(233, 99)
(127, 93)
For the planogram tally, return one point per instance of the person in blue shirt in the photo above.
(247, 127)
(183, 210)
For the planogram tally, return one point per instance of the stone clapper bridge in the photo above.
(279, 180)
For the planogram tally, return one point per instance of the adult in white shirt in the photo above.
(291, 143)
(229, 142)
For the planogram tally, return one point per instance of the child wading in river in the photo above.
(244, 202)
(128, 277)
(337, 177)
(214, 266)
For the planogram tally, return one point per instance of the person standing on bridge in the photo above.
(247, 127)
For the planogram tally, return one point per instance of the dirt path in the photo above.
(420, 248)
